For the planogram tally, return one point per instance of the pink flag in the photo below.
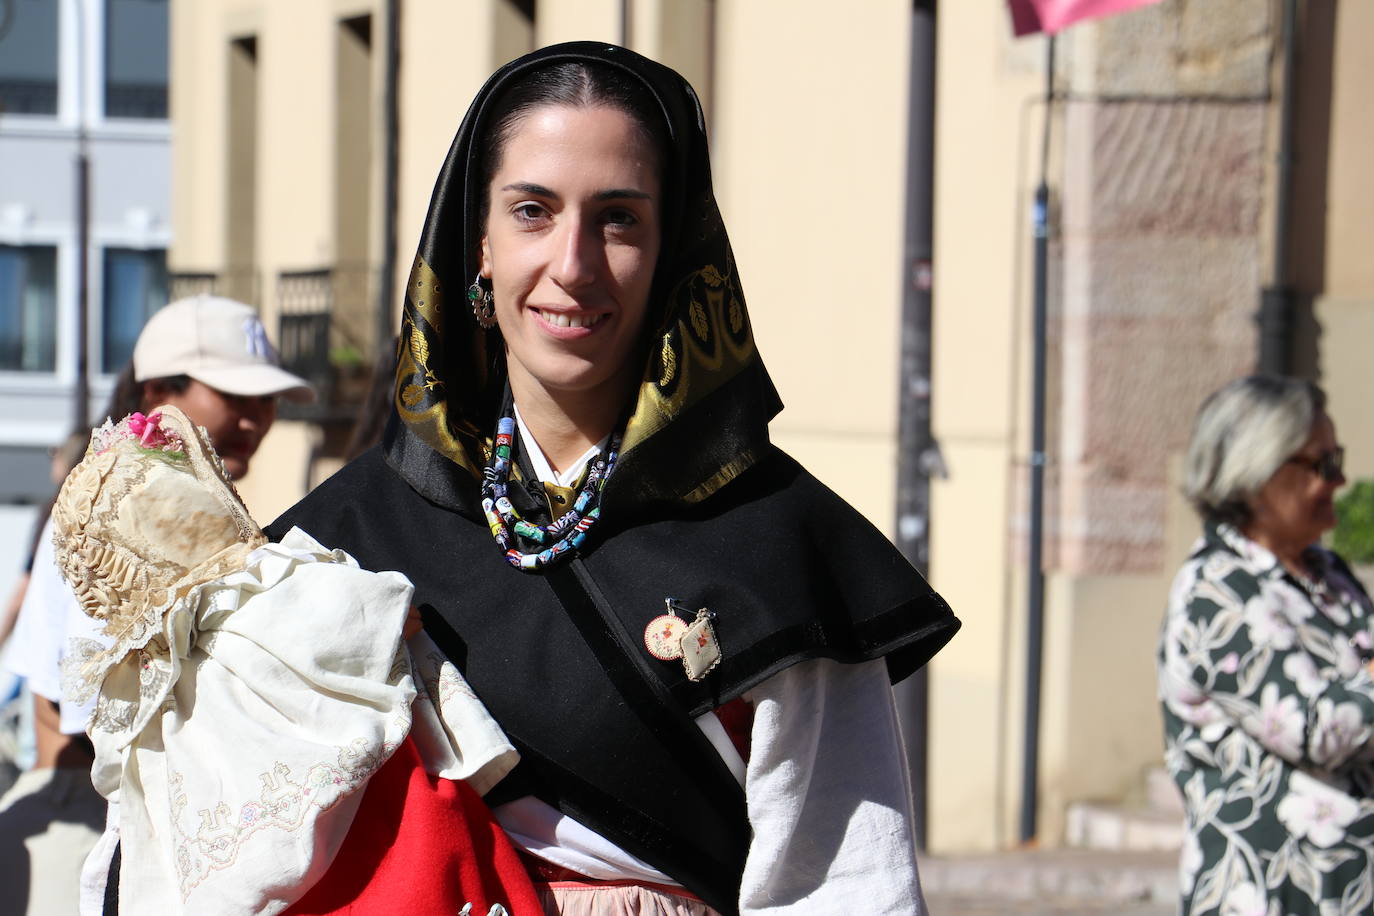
(1049, 16)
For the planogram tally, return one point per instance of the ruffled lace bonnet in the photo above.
(147, 515)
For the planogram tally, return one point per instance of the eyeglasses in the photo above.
(1327, 465)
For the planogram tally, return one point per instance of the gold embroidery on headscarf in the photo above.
(669, 361)
(716, 343)
(709, 344)
(420, 396)
(726, 474)
(698, 318)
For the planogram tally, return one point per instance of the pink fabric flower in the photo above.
(150, 434)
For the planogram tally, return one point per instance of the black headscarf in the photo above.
(702, 410)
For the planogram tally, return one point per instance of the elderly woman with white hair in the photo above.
(1263, 667)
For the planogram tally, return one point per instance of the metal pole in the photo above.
(1275, 316)
(81, 386)
(1035, 598)
(917, 453)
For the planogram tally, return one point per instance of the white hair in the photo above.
(1243, 433)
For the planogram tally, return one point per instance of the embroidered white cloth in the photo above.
(236, 777)
(246, 691)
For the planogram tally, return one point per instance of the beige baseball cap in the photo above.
(218, 342)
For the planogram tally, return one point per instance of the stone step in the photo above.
(1161, 792)
(1052, 881)
(1115, 827)
(955, 906)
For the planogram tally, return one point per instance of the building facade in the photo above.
(309, 134)
(1166, 134)
(83, 89)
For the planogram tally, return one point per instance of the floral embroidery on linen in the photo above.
(212, 837)
(440, 680)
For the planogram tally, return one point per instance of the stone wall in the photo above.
(1161, 255)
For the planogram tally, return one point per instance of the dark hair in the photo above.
(370, 421)
(575, 84)
(127, 395)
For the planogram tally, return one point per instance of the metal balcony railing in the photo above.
(19, 96)
(326, 329)
(325, 333)
(240, 283)
(136, 100)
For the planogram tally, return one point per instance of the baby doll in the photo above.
(268, 740)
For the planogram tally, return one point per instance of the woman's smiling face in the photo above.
(571, 242)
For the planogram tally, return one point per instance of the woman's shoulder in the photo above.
(1215, 576)
(793, 571)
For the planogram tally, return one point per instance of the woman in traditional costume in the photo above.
(688, 638)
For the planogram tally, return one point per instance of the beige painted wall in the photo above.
(1345, 313)
(296, 157)
(593, 20)
(276, 475)
(1102, 726)
(436, 85)
(809, 155)
(677, 33)
(986, 115)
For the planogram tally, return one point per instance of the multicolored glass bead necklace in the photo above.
(562, 536)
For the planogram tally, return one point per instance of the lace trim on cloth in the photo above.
(148, 514)
(145, 640)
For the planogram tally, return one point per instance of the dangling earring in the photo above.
(483, 308)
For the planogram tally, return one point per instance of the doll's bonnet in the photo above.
(147, 515)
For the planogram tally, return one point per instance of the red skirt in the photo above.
(422, 846)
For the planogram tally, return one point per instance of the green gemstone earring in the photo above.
(483, 307)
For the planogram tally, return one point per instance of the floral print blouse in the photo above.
(1268, 721)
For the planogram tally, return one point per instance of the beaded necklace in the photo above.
(562, 536)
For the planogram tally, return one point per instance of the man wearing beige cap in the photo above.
(211, 358)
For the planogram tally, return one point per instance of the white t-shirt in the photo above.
(49, 617)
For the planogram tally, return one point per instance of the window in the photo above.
(28, 308)
(135, 287)
(135, 58)
(28, 56)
